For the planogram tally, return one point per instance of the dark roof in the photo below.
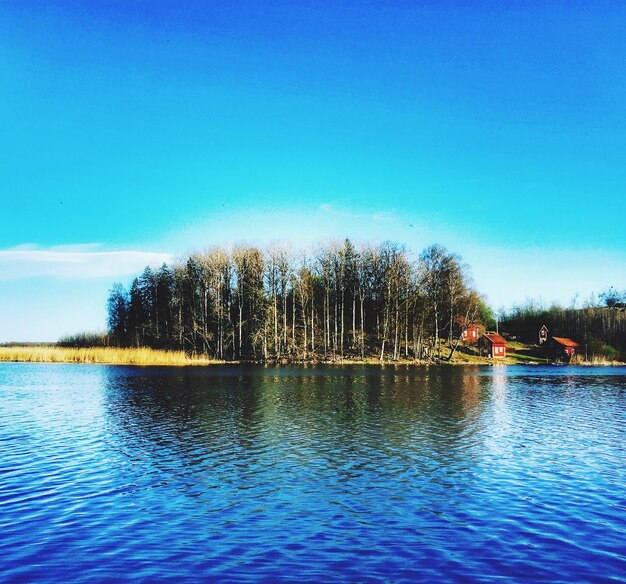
(565, 342)
(495, 338)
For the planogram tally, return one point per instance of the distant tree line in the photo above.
(599, 325)
(88, 339)
(340, 301)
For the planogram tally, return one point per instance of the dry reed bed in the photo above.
(145, 356)
(105, 355)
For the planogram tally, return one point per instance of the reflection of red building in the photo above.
(561, 347)
(471, 387)
(471, 333)
(492, 345)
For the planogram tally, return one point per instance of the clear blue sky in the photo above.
(133, 132)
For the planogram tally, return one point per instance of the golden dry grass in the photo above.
(105, 355)
(145, 356)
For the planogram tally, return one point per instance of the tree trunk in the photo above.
(313, 324)
(275, 302)
(342, 330)
(240, 327)
(353, 319)
(293, 320)
(362, 331)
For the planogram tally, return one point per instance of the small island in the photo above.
(341, 303)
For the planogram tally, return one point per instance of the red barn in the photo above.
(471, 333)
(493, 345)
(561, 347)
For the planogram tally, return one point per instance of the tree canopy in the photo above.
(340, 301)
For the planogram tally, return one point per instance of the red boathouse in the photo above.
(493, 345)
(561, 347)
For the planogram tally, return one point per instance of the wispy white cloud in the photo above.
(301, 226)
(76, 247)
(331, 209)
(328, 208)
(82, 261)
(384, 216)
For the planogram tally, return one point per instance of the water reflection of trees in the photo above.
(349, 421)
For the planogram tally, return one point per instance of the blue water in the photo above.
(312, 473)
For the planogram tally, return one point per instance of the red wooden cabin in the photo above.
(471, 333)
(493, 345)
(561, 347)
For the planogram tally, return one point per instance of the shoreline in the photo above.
(146, 357)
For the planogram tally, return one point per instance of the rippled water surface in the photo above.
(312, 473)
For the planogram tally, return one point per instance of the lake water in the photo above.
(312, 474)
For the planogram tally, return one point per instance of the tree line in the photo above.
(599, 325)
(341, 301)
